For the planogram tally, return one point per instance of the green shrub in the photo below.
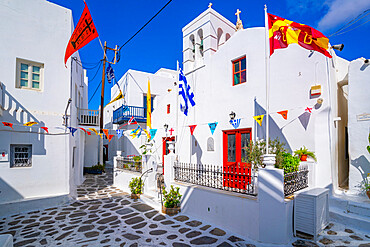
(365, 185)
(368, 147)
(289, 163)
(171, 198)
(136, 185)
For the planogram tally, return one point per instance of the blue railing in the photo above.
(124, 113)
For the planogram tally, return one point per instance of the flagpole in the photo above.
(267, 75)
(177, 103)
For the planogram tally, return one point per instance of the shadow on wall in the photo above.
(275, 131)
(361, 164)
(12, 109)
(196, 149)
(8, 193)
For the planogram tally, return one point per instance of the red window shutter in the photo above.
(168, 108)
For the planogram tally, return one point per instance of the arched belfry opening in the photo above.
(201, 42)
(220, 36)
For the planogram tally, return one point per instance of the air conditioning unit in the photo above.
(311, 211)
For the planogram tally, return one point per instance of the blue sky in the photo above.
(160, 43)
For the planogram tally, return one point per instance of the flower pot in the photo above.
(135, 196)
(171, 211)
(368, 193)
(304, 157)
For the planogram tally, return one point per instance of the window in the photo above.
(21, 155)
(239, 71)
(29, 74)
(168, 108)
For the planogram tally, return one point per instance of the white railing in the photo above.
(88, 117)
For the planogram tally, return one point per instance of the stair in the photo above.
(350, 210)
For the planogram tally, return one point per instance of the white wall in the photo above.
(38, 31)
(358, 131)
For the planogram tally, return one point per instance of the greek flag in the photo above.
(110, 74)
(186, 93)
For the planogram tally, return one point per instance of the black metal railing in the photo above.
(295, 181)
(238, 178)
(129, 164)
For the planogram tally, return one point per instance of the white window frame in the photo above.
(28, 163)
(30, 71)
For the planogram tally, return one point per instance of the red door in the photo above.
(236, 173)
(165, 148)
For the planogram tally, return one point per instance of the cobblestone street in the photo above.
(105, 216)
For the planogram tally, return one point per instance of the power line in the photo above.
(350, 23)
(144, 25)
(95, 91)
(96, 71)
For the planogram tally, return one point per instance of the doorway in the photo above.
(236, 172)
(165, 148)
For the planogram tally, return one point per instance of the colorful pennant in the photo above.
(88, 133)
(304, 118)
(259, 119)
(30, 123)
(212, 127)
(235, 123)
(105, 131)
(135, 132)
(284, 114)
(46, 129)
(72, 130)
(192, 127)
(152, 133)
(8, 124)
(147, 134)
(101, 135)
(94, 130)
(83, 130)
(308, 110)
(132, 121)
(110, 137)
(119, 133)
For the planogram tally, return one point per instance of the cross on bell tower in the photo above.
(239, 24)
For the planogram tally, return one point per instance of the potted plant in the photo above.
(365, 186)
(289, 163)
(137, 162)
(96, 169)
(171, 201)
(302, 153)
(136, 187)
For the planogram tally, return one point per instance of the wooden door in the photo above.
(236, 172)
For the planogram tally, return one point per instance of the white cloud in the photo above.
(341, 11)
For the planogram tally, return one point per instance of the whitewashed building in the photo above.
(38, 169)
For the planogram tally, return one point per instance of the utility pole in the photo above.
(103, 81)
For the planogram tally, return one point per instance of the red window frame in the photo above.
(240, 71)
(168, 108)
(165, 149)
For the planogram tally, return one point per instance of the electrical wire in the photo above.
(352, 28)
(119, 50)
(350, 23)
(96, 72)
(95, 91)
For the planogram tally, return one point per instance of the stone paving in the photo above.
(103, 215)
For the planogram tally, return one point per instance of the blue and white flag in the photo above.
(186, 93)
(72, 130)
(119, 133)
(110, 74)
(235, 123)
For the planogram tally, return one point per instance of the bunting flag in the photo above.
(304, 118)
(83, 130)
(101, 135)
(8, 124)
(88, 133)
(105, 131)
(46, 129)
(259, 119)
(72, 130)
(135, 132)
(235, 123)
(186, 93)
(140, 131)
(110, 137)
(131, 121)
(284, 114)
(110, 73)
(119, 133)
(192, 127)
(30, 123)
(94, 130)
(283, 32)
(152, 133)
(212, 127)
(147, 134)
(84, 32)
(148, 107)
(118, 97)
(308, 110)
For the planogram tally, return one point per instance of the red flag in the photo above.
(308, 109)
(283, 32)
(8, 124)
(83, 130)
(46, 129)
(284, 114)
(105, 132)
(84, 32)
(192, 127)
(88, 133)
(110, 137)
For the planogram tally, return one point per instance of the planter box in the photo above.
(92, 171)
(171, 211)
(135, 196)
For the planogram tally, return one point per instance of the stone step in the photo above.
(350, 219)
(357, 205)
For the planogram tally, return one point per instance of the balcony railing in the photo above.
(88, 117)
(129, 164)
(295, 181)
(124, 113)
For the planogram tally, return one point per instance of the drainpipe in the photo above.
(65, 117)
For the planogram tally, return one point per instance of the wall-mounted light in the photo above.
(165, 126)
(320, 100)
(232, 115)
(338, 47)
